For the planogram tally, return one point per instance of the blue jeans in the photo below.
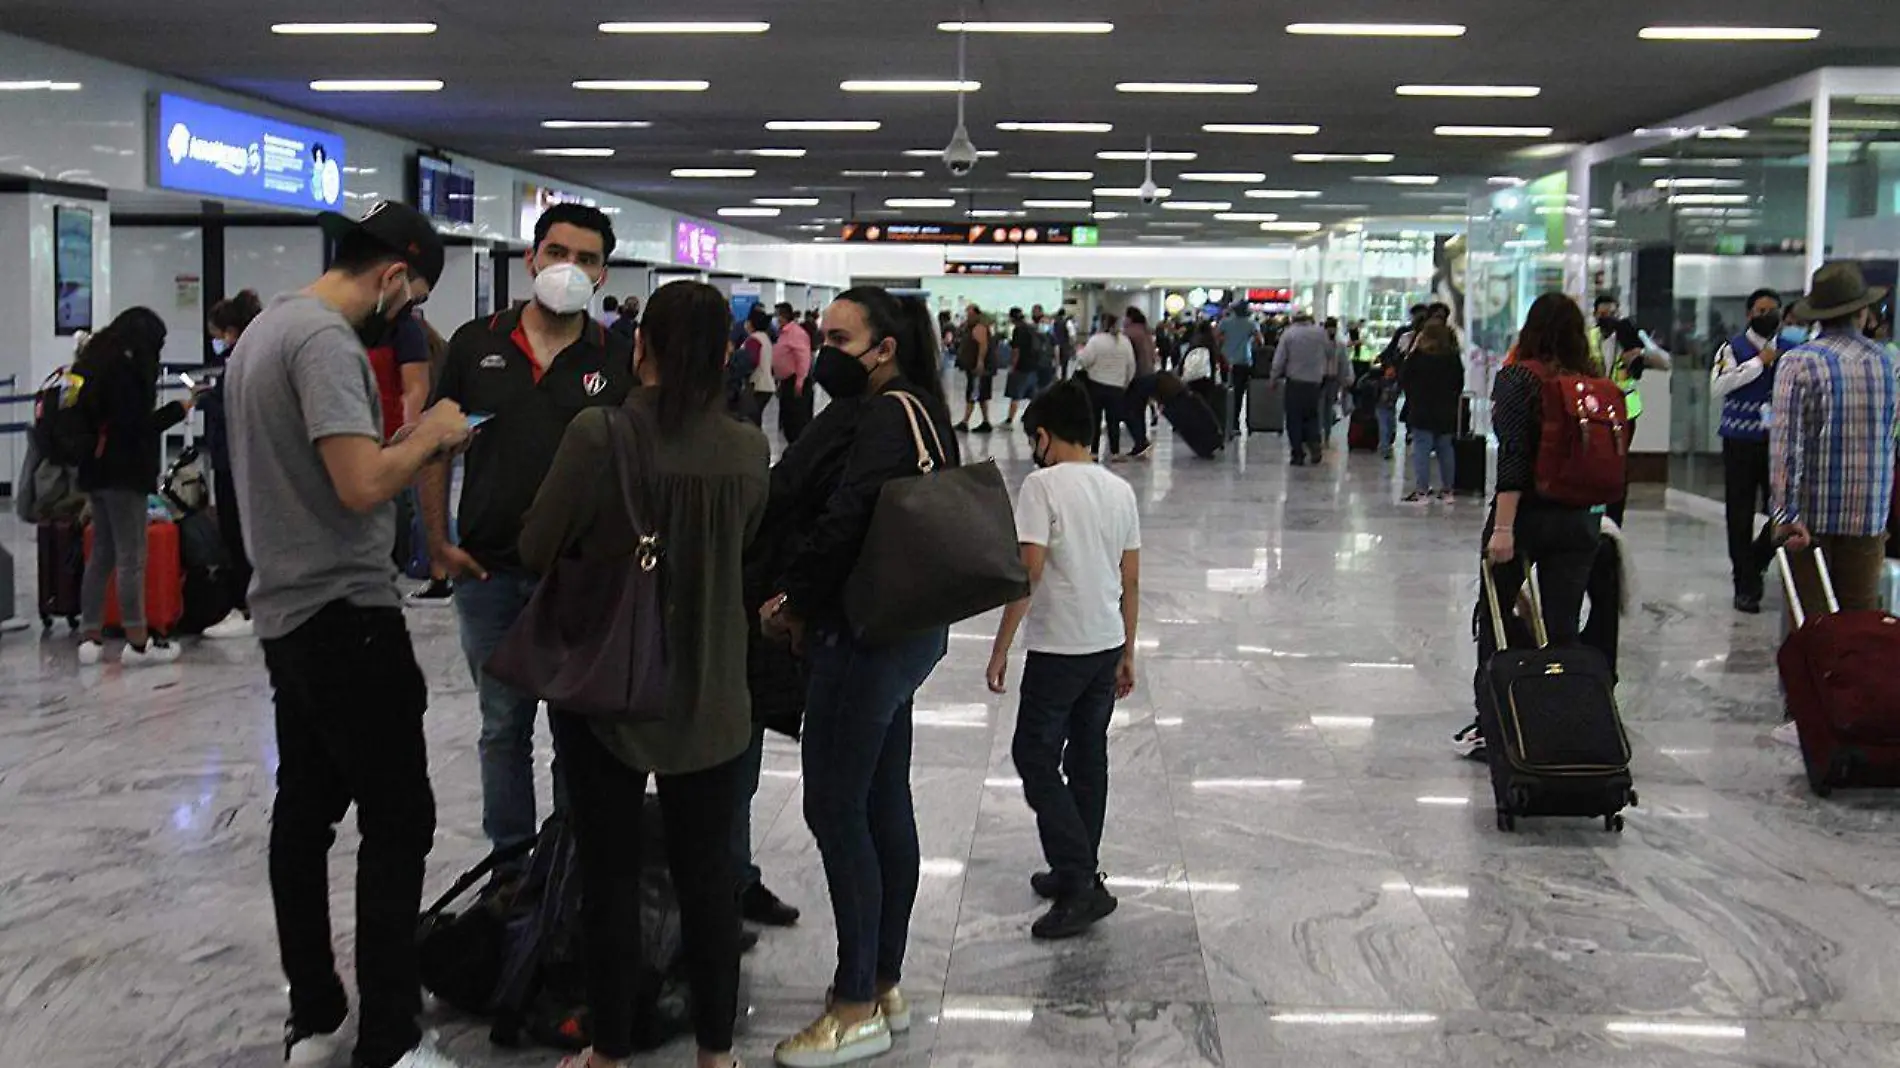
(1388, 427)
(746, 771)
(1061, 752)
(1424, 444)
(857, 797)
(487, 609)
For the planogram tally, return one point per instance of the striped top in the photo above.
(1832, 448)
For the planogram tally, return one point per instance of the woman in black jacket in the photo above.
(120, 368)
(227, 321)
(857, 737)
(1432, 381)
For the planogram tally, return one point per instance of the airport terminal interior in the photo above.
(1309, 871)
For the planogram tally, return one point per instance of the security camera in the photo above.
(959, 156)
(1150, 192)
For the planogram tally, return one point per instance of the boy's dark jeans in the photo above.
(1062, 734)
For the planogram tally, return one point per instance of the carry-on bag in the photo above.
(1471, 453)
(1552, 733)
(1837, 669)
(164, 580)
(62, 560)
(1362, 433)
(1197, 424)
(1266, 406)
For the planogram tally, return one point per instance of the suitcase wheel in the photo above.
(46, 623)
(1613, 824)
(1631, 800)
(1507, 822)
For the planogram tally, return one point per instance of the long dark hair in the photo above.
(137, 334)
(1554, 333)
(908, 321)
(684, 327)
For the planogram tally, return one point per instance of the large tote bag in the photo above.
(592, 638)
(941, 547)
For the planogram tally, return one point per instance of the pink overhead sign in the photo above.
(695, 244)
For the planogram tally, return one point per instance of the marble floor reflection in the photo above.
(1308, 876)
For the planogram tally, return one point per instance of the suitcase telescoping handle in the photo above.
(1538, 630)
(1794, 594)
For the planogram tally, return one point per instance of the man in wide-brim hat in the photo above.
(1832, 442)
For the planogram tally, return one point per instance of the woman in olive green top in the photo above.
(708, 486)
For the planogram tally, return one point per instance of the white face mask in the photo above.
(563, 289)
(218, 346)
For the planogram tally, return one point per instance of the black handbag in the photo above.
(941, 547)
(592, 637)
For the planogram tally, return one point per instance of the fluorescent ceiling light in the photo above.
(1131, 191)
(1108, 216)
(1699, 183)
(364, 29)
(880, 174)
(1839, 124)
(643, 85)
(920, 202)
(812, 228)
(909, 85)
(1728, 33)
(749, 213)
(773, 153)
(832, 125)
(1721, 133)
(1176, 224)
(1189, 88)
(1234, 177)
(1247, 216)
(1436, 194)
(1674, 161)
(1398, 179)
(376, 85)
(1506, 180)
(685, 27)
(38, 85)
(595, 124)
(937, 153)
(714, 172)
(1119, 155)
(1026, 27)
(1058, 204)
(1338, 207)
(1056, 127)
(1492, 131)
(1480, 92)
(1376, 29)
(1285, 129)
(1160, 237)
(786, 202)
(577, 153)
(1281, 194)
(1198, 205)
(1291, 228)
(1712, 198)
(994, 213)
(1342, 157)
(1055, 176)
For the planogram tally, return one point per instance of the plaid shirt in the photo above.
(1832, 440)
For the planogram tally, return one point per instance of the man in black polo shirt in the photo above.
(530, 369)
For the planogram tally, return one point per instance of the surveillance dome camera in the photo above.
(1150, 192)
(959, 156)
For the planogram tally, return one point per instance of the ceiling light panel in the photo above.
(1137, 156)
(1269, 129)
(920, 202)
(1197, 205)
(880, 174)
(1491, 131)
(685, 27)
(1473, 92)
(38, 85)
(994, 213)
(1027, 27)
(1055, 176)
(643, 85)
(1058, 204)
(825, 125)
(786, 202)
(1292, 227)
(1728, 33)
(376, 85)
(353, 29)
(1229, 177)
(1131, 191)
(749, 213)
(576, 153)
(714, 172)
(1281, 194)
(772, 153)
(1108, 216)
(909, 85)
(1189, 88)
(1398, 179)
(595, 124)
(1248, 216)
(937, 153)
(1342, 157)
(1376, 29)
(1056, 127)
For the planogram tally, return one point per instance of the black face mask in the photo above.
(1765, 325)
(381, 324)
(1040, 454)
(1606, 323)
(842, 374)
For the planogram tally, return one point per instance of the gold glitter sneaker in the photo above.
(829, 1042)
(896, 1010)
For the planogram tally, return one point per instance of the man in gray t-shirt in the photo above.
(314, 482)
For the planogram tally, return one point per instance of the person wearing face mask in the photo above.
(226, 323)
(857, 726)
(309, 455)
(1744, 380)
(532, 368)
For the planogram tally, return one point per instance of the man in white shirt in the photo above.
(1080, 531)
(1743, 380)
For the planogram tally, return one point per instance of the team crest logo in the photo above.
(593, 382)
(494, 362)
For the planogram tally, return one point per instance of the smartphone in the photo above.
(187, 380)
(476, 419)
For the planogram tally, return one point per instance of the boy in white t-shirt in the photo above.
(1081, 541)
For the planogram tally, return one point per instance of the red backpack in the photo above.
(1584, 442)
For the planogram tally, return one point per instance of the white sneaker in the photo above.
(310, 1050)
(90, 653)
(425, 1056)
(235, 625)
(1787, 734)
(156, 651)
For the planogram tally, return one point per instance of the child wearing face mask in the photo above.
(1080, 533)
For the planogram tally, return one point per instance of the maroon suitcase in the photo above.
(62, 568)
(1837, 669)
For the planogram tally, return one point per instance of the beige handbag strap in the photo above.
(926, 462)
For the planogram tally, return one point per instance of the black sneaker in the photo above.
(1075, 914)
(438, 591)
(1470, 742)
(762, 906)
(962, 428)
(983, 428)
(1749, 603)
(1299, 461)
(1046, 885)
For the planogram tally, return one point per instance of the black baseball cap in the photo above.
(397, 227)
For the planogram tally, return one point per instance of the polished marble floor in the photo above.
(1308, 876)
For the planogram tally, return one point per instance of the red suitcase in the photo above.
(62, 566)
(1837, 669)
(164, 579)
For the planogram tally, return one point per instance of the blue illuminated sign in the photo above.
(203, 148)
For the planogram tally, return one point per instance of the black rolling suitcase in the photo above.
(62, 566)
(1552, 732)
(1197, 424)
(1471, 453)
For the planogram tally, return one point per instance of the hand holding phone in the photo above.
(476, 419)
